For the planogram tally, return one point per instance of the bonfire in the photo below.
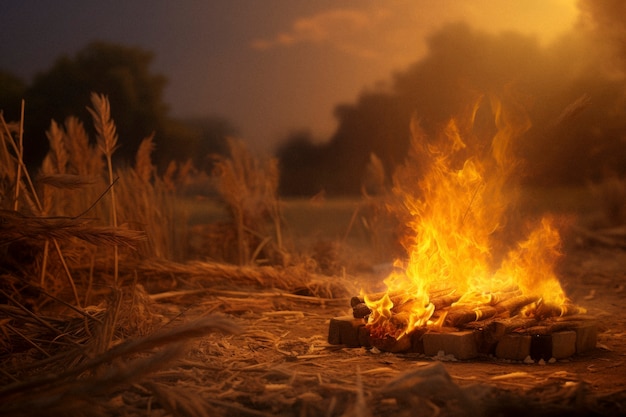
(468, 258)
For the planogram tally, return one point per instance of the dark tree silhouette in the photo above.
(12, 90)
(577, 111)
(135, 92)
(302, 166)
(208, 137)
(120, 72)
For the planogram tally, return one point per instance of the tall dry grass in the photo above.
(149, 203)
(82, 240)
(249, 188)
(107, 142)
(64, 231)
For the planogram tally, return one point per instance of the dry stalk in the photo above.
(15, 226)
(18, 160)
(124, 350)
(85, 159)
(40, 207)
(20, 156)
(107, 141)
(294, 279)
(149, 204)
(8, 165)
(248, 186)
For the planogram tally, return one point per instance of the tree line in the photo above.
(571, 94)
(124, 74)
(569, 91)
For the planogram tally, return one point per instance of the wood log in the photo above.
(586, 336)
(497, 329)
(399, 295)
(360, 311)
(515, 304)
(400, 303)
(499, 297)
(444, 301)
(355, 301)
(545, 311)
(391, 344)
(558, 324)
(460, 316)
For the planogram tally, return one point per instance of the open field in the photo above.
(119, 298)
(278, 362)
(330, 218)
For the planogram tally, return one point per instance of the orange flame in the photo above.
(458, 210)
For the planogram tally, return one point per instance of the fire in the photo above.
(459, 212)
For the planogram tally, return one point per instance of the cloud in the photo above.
(606, 19)
(395, 31)
(342, 29)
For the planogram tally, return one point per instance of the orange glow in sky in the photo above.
(270, 67)
(354, 47)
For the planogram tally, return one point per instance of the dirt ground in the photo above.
(281, 364)
(272, 358)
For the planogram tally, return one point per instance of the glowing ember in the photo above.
(459, 211)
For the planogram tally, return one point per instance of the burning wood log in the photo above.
(544, 311)
(361, 310)
(515, 304)
(444, 301)
(545, 331)
(501, 296)
(400, 295)
(461, 316)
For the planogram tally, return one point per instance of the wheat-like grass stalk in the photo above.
(13, 168)
(34, 202)
(86, 160)
(17, 147)
(149, 204)
(7, 162)
(143, 159)
(64, 181)
(248, 186)
(20, 156)
(54, 163)
(107, 142)
(58, 156)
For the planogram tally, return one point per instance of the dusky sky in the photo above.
(269, 66)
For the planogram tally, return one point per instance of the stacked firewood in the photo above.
(504, 304)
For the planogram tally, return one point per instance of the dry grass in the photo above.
(249, 188)
(88, 273)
